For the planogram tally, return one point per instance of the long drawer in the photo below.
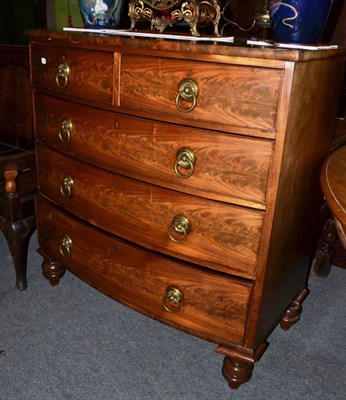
(81, 73)
(209, 164)
(200, 302)
(238, 96)
(212, 233)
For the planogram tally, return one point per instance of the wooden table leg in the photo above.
(18, 235)
(325, 252)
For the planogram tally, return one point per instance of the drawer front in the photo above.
(213, 306)
(239, 96)
(220, 236)
(217, 166)
(89, 74)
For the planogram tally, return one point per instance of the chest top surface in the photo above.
(188, 49)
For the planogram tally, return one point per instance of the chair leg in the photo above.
(18, 235)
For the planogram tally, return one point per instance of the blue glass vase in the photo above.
(299, 21)
(101, 14)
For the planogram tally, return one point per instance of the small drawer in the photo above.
(215, 234)
(238, 96)
(204, 303)
(81, 73)
(205, 163)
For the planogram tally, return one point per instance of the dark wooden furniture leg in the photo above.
(51, 269)
(17, 219)
(18, 235)
(294, 310)
(325, 252)
(236, 372)
(238, 364)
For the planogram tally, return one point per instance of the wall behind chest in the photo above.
(18, 15)
(62, 11)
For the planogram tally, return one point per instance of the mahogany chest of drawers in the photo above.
(181, 178)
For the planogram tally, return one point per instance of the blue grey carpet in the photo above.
(72, 343)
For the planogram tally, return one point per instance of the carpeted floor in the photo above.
(73, 343)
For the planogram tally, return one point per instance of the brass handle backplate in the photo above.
(62, 75)
(66, 246)
(66, 186)
(188, 91)
(172, 299)
(182, 226)
(65, 130)
(185, 159)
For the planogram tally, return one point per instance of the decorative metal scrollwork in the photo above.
(162, 14)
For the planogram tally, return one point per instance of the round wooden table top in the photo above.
(333, 184)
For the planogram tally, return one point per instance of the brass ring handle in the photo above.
(65, 131)
(66, 246)
(180, 225)
(62, 75)
(172, 299)
(188, 91)
(185, 159)
(187, 109)
(66, 186)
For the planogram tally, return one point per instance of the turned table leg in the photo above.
(324, 254)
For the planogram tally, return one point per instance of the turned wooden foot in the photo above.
(52, 270)
(294, 310)
(236, 372)
(239, 363)
(18, 235)
(323, 258)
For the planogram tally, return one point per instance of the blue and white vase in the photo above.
(299, 21)
(101, 14)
